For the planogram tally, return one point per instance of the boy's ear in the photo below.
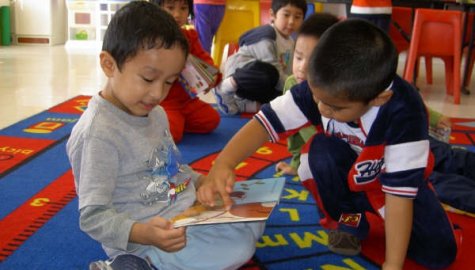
(107, 63)
(272, 15)
(382, 98)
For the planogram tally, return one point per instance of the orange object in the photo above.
(437, 33)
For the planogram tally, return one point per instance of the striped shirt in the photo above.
(391, 140)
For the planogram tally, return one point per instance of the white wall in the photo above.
(39, 19)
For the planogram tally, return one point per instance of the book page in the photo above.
(254, 200)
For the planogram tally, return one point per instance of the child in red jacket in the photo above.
(186, 113)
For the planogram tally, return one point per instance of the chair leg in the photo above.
(449, 75)
(457, 83)
(428, 61)
(452, 78)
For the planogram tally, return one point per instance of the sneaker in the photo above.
(247, 106)
(122, 262)
(343, 243)
(225, 101)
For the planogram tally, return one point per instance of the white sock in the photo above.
(228, 86)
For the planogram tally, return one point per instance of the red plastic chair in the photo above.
(401, 27)
(465, 45)
(400, 33)
(437, 33)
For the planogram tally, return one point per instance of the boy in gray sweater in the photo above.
(128, 174)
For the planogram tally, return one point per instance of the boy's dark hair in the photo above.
(316, 24)
(278, 4)
(189, 2)
(141, 25)
(354, 60)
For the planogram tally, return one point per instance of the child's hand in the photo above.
(444, 122)
(285, 168)
(165, 237)
(218, 182)
(159, 232)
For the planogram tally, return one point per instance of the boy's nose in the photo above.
(157, 92)
(175, 14)
(292, 20)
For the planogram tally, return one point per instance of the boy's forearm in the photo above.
(243, 144)
(221, 176)
(398, 227)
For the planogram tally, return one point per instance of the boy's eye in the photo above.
(336, 109)
(147, 80)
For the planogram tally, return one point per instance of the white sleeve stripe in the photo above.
(406, 156)
(404, 191)
(273, 135)
(288, 112)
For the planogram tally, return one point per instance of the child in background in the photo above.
(128, 175)
(307, 38)
(373, 157)
(186, 113)
(256, 73)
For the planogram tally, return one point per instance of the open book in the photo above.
(253, 200)
(197, 76)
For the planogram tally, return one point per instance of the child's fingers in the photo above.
(175, 240)
(225, 190)
(160, 222)
(227, 201)
(176, 246)
(206, 195)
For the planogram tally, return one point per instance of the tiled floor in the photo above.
(34, 78)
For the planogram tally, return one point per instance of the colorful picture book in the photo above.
(253, 200)
(197, 76)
